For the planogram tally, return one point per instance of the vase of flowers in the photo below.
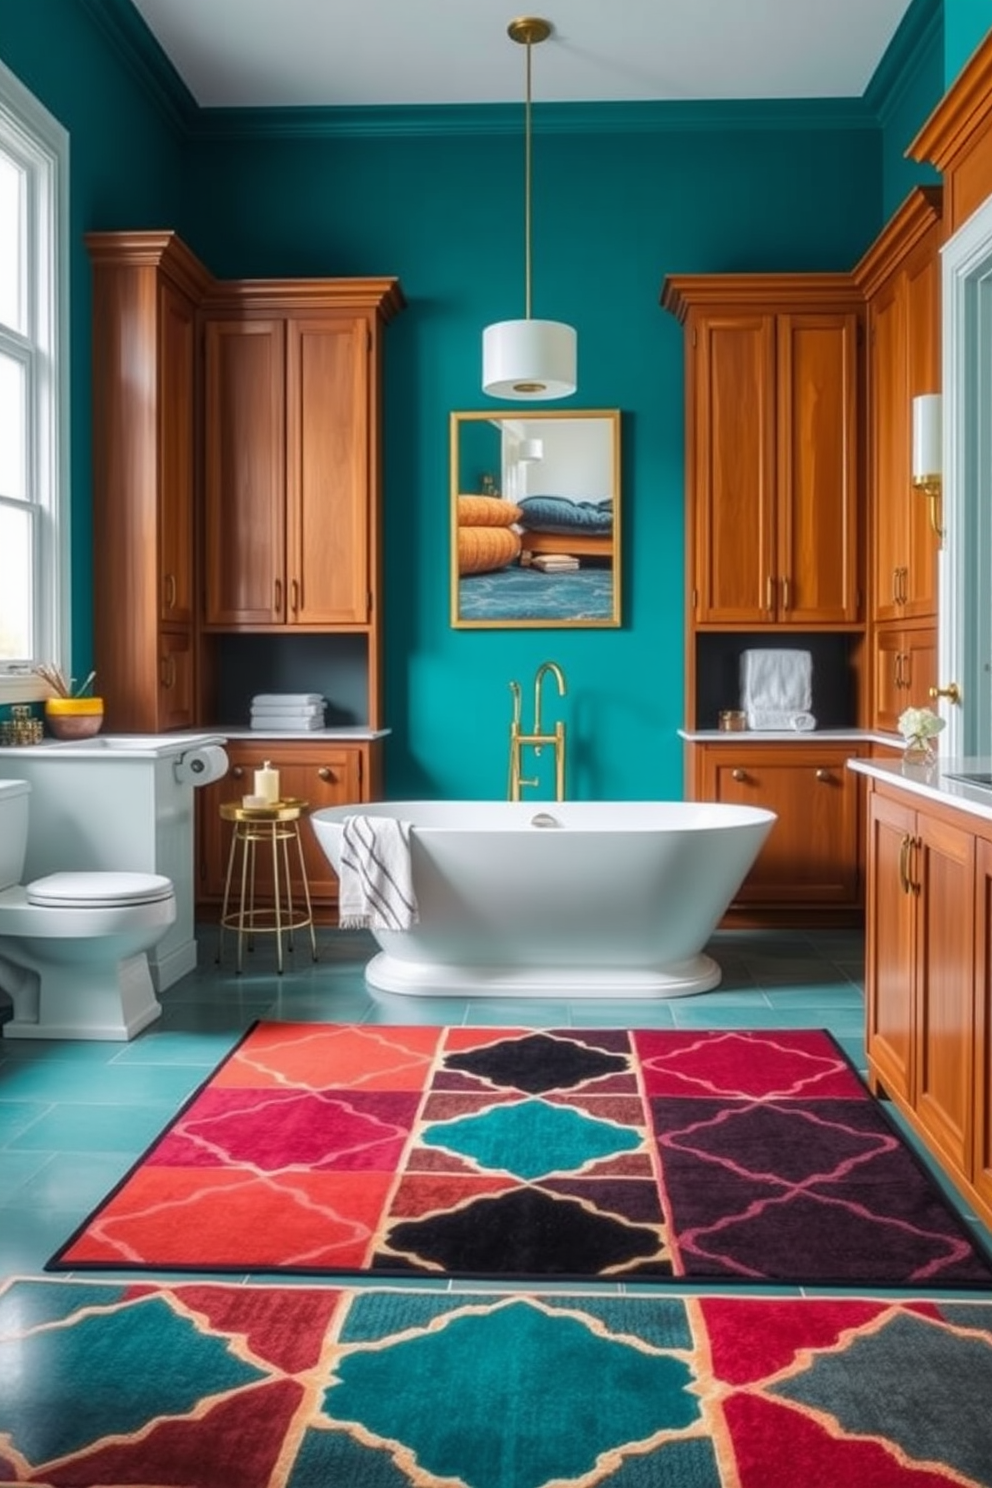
(920, 727)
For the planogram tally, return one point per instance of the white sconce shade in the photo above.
(530, 451)
(927, 426)
(529, 359)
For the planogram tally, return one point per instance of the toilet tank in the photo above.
(14, 796)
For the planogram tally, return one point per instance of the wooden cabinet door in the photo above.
(981, 1080)
(889, 436)
(889, 948)
(176, 694)
(244, 495)
(923, 354)
(905, 670)
(733, 459)
(942, 871)
(176, 447)
(320, 774)
(327, 475)
(810, 856)
(816, 578)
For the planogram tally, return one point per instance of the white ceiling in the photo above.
(353, 52)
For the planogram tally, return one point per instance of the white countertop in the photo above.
(356, 733)
(789, 736)
(123, 746)
(935, 782)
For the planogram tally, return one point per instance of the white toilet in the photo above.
(73, 946)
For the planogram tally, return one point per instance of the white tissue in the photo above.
(202, 766)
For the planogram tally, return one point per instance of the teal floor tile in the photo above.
(70, 1082)
(73, 1127)
(66, 1183)
(17, 1116)
(16, 1170)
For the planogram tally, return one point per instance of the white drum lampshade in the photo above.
(529, 359)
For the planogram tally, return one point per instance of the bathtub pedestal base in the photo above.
(431, 979)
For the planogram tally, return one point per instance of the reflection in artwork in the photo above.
(535, 519)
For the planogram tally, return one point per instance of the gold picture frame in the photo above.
(535, 519)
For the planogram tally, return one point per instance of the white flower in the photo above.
(917, 724)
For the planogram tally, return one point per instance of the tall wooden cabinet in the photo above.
(146, 287)
(289, 452)
(773, 453)
(772, 447)
(900, 278)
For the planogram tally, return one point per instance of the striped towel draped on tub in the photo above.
(376, 875)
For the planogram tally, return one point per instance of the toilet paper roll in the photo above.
(201, 766)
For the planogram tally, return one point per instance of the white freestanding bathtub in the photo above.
(560, 899)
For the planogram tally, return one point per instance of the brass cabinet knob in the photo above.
(237, 771)
(823, 775)
(739, 774)
(324, 773)
(952, 692)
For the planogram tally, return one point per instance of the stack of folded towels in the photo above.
(777, 689)
(287, 712)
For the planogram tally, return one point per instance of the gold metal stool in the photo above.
(274, 827)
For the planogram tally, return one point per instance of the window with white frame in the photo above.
(34, 517)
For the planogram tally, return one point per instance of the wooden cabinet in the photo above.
(905, 670)
(145, 289)
(290, 440)
(927, 977)
(900, 277)
(810, 860)
(322, 774)
(772, 447)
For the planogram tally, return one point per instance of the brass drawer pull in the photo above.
(237, 771)
(825, 775)
(739, 774)
(325, 773)
(904, 847)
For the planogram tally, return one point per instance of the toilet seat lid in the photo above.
(91, 890)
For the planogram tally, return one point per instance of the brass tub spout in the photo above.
(537, 738)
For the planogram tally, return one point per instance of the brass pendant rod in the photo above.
(528, 31)
(527, 190)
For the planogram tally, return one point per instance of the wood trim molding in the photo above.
(271, 296)
(163, 250)
(776, 292)
(957, 139)
(913, 220)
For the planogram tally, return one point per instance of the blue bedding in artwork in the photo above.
(562, 514)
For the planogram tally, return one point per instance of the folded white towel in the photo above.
(376, 889)
(778, 681)
(277, 723)
(761, 720)
(304, 713)
(286, 699)
(302, 710)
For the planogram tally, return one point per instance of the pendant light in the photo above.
(528, 359)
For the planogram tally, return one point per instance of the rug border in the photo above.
(953, 1203)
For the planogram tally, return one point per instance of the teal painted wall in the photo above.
(125, 168)
(966, 24)
(698, 191)
(906, 89)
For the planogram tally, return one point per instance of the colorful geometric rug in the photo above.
(209, 1385)
(522, 1153)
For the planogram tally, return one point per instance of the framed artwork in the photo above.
(535, 519)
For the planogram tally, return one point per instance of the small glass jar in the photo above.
(732, 721)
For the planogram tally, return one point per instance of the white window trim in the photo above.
(45, 143)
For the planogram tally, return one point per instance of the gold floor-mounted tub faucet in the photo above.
(537, 737)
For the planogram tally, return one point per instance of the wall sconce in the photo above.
(927, 453)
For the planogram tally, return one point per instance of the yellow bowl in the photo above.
(74, 718)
